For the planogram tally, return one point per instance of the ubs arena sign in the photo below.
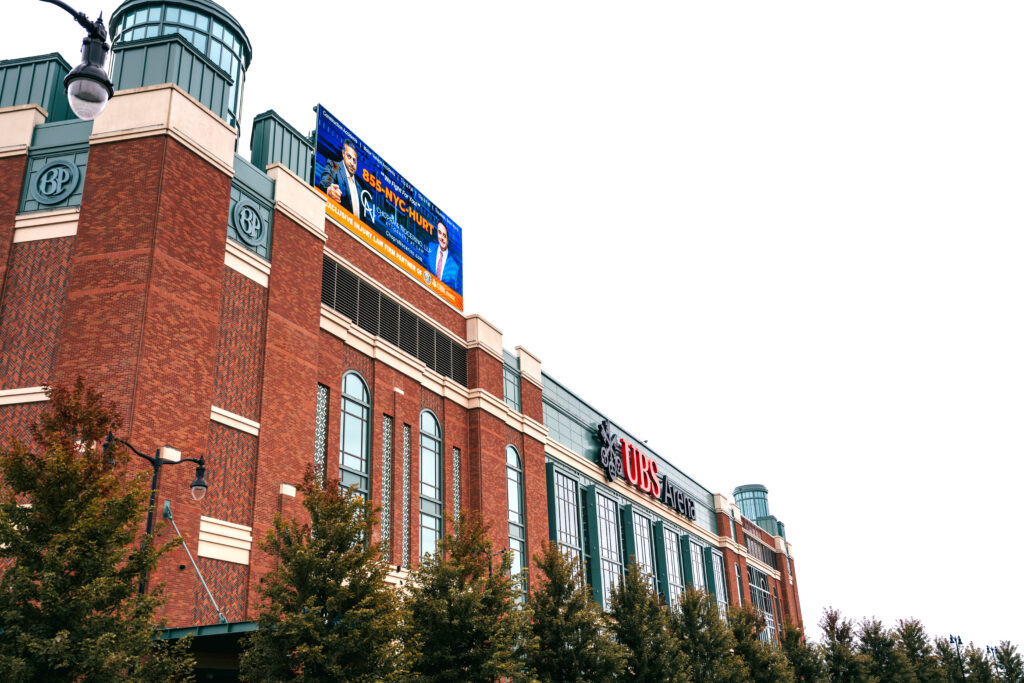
(622, 459)
(380, 207)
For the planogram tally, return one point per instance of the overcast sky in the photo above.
(781, 241)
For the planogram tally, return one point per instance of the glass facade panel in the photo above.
(644, 545)
(673, 565)
(567, 515)
(761, 598)
(431, 509)
(611, 554)
(512, 389)
(516, 518)
(718, 566)
(354, 460)
(700, 580)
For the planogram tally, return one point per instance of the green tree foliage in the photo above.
(838, 649)
(706, 640)
(803, 657)
(466, 612)
(73, 557)
(884, 660)
(328, 613)
(949, 662)
(978, 665)
(641, 623)
(913, 643)
(766, 662)
(573, 636)
(1009, 664)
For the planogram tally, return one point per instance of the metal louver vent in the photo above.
(407, 332)
(369, 308)
(389, 319)
(381, 315)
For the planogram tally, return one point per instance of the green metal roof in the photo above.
(209, 630)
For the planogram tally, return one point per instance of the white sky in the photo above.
(781, 241)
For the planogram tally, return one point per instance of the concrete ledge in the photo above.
(252, 266)
(17, 124)
(482, 333)
(529, 366)
(13, 397)
(721, 503)
(242, 424)
(167, 110)
(227, 541)
(298, 200)
(45, 225)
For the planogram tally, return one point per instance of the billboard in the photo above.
(384, 210)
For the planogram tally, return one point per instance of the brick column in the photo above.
(288, 417)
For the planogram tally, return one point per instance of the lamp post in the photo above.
(157, 461)
(87, 85)
(955, 640)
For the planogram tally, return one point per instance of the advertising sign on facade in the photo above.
(622, 459)
(384, 210)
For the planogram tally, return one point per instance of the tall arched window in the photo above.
(516, 513)
(354, 460)
(431, 506)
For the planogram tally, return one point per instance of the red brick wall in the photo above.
(484, 371)
(12, 175)
(32, 310)
(531, 397)
(240, 345)
(288, 413)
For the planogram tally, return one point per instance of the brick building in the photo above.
(129, 254)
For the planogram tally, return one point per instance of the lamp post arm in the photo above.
(96, 28)
(133, 449)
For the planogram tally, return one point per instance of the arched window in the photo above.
(431, 506)
(516, 513)
(354, 459)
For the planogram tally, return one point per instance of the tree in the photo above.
(883, 659)
(842, 663)
(913, 642)
(466, 612)
(641, 623)
(978, 665)
(706, 640)
(953, 669)
(803, 657)
(1009, 664)
(73, 556)
(766, 662)
(329, 613)
(572, 632)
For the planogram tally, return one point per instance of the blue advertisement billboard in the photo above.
(366, 195)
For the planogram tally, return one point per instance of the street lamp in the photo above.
(955, 640)
(87, 85)
(198, 485)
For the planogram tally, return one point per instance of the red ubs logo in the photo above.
(639, 470)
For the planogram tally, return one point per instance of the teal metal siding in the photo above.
(58, 141)
(274, 141)
(172, 59)
(36, 80)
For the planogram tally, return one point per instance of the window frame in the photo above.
(431, 508)
(366, 407)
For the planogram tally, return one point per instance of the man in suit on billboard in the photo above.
(440, 261)
(346, 188)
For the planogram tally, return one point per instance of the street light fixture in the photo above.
(198, 485)
(955, 640)
(87, 85)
